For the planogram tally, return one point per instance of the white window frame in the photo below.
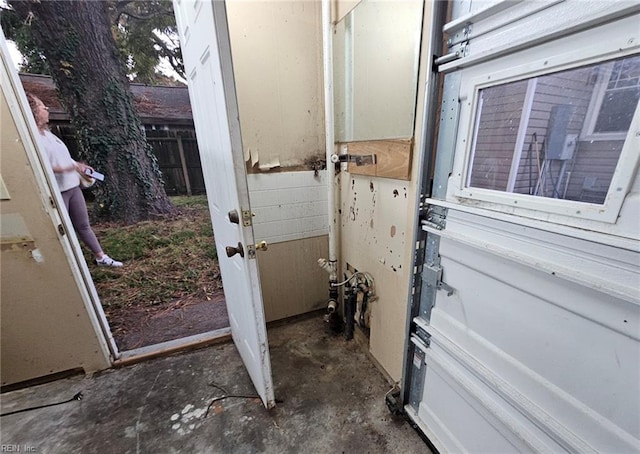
(593, 110)
(526, 65)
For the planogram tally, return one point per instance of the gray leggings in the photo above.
(77, 209)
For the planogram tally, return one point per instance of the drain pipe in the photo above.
(330, 265)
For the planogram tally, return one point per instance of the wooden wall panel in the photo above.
(291, 280)
(393, 158)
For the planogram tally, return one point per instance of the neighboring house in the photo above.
(165, 113)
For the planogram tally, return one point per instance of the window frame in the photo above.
(567, 211)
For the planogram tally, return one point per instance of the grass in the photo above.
(165, 260)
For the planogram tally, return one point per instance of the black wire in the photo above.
(218, 387)
(226, 397)
(77, 396)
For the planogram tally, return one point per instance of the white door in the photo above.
(206, 51)
(526, 333)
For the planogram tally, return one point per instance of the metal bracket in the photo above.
(432, 275)
(359, 160)
(246, 218)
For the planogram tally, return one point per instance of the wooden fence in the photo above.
(176, 152)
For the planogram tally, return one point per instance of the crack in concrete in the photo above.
(144, 404)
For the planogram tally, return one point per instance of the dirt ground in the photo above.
(136, 327)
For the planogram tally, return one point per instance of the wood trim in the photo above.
(393, 158)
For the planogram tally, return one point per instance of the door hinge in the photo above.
(436, 217)
(432, 276)
(423, 335)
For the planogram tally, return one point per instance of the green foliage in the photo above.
(144, 31)
(189, 201)
(19, 32)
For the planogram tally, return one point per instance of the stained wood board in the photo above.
(393, 158)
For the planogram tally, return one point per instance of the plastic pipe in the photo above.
(327, 60)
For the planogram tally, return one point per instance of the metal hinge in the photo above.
(457, 51)
(436, 217)
(432, 276)
(423, 335)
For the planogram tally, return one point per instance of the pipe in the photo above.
(327, 59)
(350, 312)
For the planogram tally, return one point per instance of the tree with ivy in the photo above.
(77, 42)
(144, 31)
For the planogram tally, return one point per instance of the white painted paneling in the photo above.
(288, 205)
(521, 340)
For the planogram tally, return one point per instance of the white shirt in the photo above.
(59, 156)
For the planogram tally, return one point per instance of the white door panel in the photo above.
(527, 338)
(207, 56)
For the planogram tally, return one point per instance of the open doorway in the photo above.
(170, 287)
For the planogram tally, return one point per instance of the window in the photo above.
(529, 134)
(618, 91)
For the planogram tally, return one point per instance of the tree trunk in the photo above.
(77, 41)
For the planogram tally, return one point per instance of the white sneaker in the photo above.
(108, 261)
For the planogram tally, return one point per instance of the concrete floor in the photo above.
(332, 402)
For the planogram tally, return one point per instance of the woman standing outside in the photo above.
(67, 173)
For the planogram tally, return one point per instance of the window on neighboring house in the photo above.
(616, 95)
(559, 135)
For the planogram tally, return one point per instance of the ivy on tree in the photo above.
(77, 42)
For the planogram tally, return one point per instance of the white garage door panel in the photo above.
(497, 31)
(529, 306)
(551, 338)
(469, 416)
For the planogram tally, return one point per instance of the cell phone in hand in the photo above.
(93, 174)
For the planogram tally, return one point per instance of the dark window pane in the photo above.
(617, 110)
